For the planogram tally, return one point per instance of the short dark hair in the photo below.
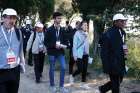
(84, 21)
(67, 22)
(55, 14)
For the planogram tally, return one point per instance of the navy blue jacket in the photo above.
(50, 41)
(112, 54)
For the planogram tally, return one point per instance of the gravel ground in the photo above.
(28, 85)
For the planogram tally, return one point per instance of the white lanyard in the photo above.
(122, 36)
(6, 37)
(57, 33)
(40, 37)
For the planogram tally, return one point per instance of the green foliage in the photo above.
(21, 6)
(65, 8)
(133, 61)
(45, 8)
(30, 7)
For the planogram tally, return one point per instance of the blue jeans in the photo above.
(52, 60)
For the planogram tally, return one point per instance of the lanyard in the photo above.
(6, 37)
(57, 33)
(122, 36)
(40, 37)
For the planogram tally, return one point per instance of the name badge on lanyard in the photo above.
(40, 38)
(10, 55)
(11, 58)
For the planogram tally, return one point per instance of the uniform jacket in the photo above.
(112, 54)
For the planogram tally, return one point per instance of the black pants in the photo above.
(113, 84)
(82, 67)
(30, 61)
(71, 64)
(9, 80)
(38, 64)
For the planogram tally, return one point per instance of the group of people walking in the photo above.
(16, 43)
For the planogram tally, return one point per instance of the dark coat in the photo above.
(112, 54)
(50, 41)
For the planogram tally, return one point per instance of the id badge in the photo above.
(125, 49)
(41, 46)
(11, 58)
(57, 42)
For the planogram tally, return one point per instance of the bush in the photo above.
(133, 61)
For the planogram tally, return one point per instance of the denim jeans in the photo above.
(52, 60)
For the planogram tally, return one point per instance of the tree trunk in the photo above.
(98, 30)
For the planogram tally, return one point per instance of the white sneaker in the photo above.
(63, 90)
(71, 79)
(52, 89)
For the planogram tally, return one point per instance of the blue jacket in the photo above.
(80, 44)
(16, 45)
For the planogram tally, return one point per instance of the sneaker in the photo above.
(52, 89)
(63, 90)
(71, 80)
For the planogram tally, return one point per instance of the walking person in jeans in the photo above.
(55, 44)
(36, 44)
(81, 51)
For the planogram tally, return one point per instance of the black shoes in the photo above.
(38, 81)
(100, 89)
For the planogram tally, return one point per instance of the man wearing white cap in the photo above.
(11, 53)
(113, 54)
(36, 44)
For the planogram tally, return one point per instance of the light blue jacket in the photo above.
(80, 44)
(16, 46)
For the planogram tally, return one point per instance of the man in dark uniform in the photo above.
(113, 52)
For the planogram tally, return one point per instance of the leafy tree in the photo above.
(65, 7)
(101, 11)
(23, 7)
(45, 9)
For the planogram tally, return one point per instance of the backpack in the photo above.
(33, 41)
(18, 34)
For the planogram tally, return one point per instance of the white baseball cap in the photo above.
(9, 11)
(119, 16)
(39, 24)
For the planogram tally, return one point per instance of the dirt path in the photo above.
(28, 85)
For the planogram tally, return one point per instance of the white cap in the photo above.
(9, 11)
(38, 24)
(119, 16)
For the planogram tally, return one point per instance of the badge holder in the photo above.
(11, 58)
(57, 42)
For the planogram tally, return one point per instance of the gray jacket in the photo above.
(35, 46)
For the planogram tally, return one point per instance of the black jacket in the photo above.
(50, 41)
(112, 54)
